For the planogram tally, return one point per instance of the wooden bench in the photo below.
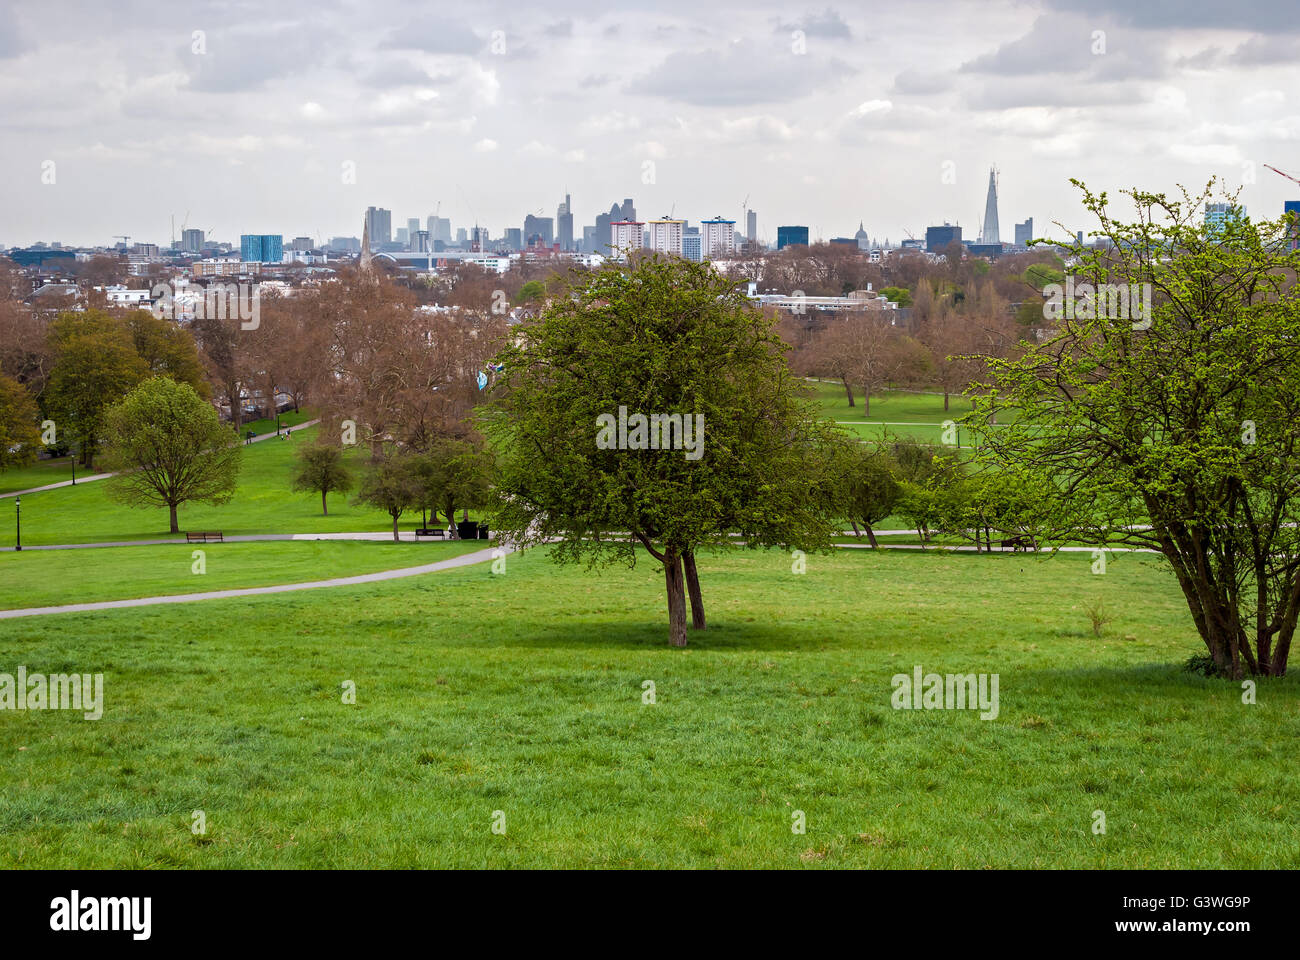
(1017, 543)
(211, 536)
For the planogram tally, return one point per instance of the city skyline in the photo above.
(816, 115)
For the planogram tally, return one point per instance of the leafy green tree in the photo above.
(322, 469)
(899, 295)
(1177, 429)
(95, 365)
(667, 338)
(390, 484)
(19, 438)
(870, 489)
(532, 290)
(168, 350)
(169, 448)
(454, 475)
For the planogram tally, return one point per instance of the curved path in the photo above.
(464, 560)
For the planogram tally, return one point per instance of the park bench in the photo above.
(211, 536)
(429, 532)
(1017, 543)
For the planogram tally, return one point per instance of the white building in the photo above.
(666, 236)
(626, 235)
(717, 237)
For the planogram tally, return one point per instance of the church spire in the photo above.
(365, 245)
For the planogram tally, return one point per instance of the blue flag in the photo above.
(482, 379)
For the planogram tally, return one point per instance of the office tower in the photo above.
(514, 238)
(627, 211)
(302, 244)
(1025, 232)
(261, 247)
(462, 237)
(665, 236)
(380, 222)
(345, 244)
(936, 238)
(719, 237)
(421, 242)
(440, 229)
(791, 237)
(564, 224)
(990, 234)
(412, 227)
(192, 240)
(539, 230)
(589, 240)
(751, 226)
(625, 235)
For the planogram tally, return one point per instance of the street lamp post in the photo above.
(18, 516)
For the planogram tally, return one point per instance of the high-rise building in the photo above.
(751, 226)
(936, 238)
(1024, 232)
(628, 210)
(539, 230)
(564, 224)
(412, 227)
(1218, 215)
(718, 237)
(261, 247)
(1291, 208)
(479, 240)
(791, 237)
(421, 242)
(462, 237)
(625, 235)
(192, 240)
(345, 244)
(665, 236)
(691, 247)
(440, 228)
(514, 238)
(302, 243)
(380, 222)
(990, 232)
(402, 236)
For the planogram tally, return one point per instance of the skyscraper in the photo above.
(751, 226)
(564, 224)
(192, 240)
(538, 230)
(1025, 232)
(380, 222)
(261, 248)
(719, 237)
(990, 234)
(666, 236)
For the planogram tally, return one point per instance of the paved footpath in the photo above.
(104, 476)
(464, 560)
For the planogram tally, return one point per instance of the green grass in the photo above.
(523, 693)
(38, 578)
(263, 503)
(39, 474)
(904, 413)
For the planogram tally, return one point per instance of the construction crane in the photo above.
(124, 237)
(1281, 174)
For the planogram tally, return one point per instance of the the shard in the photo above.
(990, 233)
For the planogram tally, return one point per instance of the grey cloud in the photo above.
(828, 24)
(241, 60)
(434, 35)
(1267, 16)
(919, 82)
(1064, 45)
(740, 74)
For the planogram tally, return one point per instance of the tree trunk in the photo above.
(325, 510)
(866, 401)
(945, 399)
(693, 588)
(175, 526)
(848, 388)
(676, 599)
(454, 534)
(396, 538)
(871, 537)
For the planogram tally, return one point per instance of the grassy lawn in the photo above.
(38, 474)
(263, 504)
(49, 577)
(900, 412)
(522, 693)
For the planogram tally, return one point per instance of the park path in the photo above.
(105, 476)
(406, 536)
(464, 560)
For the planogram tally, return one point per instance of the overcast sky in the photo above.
(821, 115)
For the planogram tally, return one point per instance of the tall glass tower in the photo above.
(990, 234)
